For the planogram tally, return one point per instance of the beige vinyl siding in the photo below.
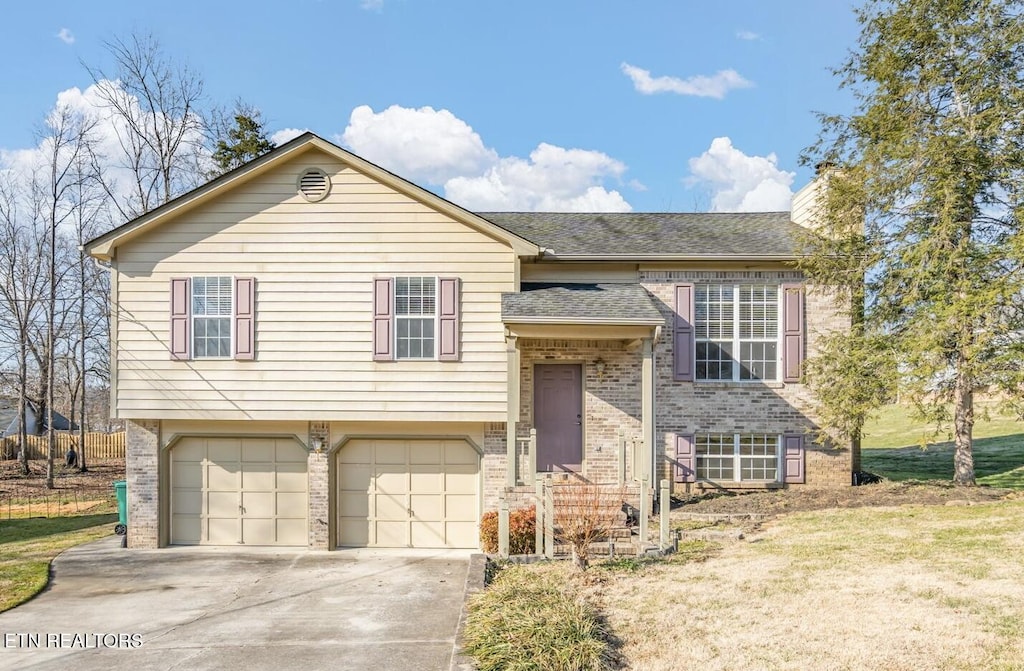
(806, 204)
(314, 264)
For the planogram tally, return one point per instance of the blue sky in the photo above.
(672, 105)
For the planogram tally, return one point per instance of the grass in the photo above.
(919, 587)
(898, 447)
(528, 620)
(28, 545)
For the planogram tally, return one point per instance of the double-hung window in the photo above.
(736, 329)
(212, 301)
(415, 317)
(212, 317)
(738, 457)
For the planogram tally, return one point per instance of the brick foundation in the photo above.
(142, 472)
(317, 469)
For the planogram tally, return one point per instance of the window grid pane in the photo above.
(415, 310)
(211, 317)
(759, 458)
(737, 457)
(733, 320)
(715, 460)
(415, 296)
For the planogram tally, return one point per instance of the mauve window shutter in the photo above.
(792, 332)
(793, 460)
(682, 339)
(448, 319)
(181, 311)
(686, 459)
(245, 318)
(383, 319)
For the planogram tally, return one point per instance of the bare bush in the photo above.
(585, 514)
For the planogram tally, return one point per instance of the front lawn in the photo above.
(915, 587)
(28, 545)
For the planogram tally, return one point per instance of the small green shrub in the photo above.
(522, 531)
(530, 621)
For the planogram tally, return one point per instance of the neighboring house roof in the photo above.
(103, 246)
(35, 424)
(580, 303)
(654, 235)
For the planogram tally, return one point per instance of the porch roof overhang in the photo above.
(590, 311)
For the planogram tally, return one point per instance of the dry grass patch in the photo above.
(908, 588)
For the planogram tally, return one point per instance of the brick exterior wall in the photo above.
(735, 407)
(142, 473)
(493, 465)
(317, 469)
(611, 400)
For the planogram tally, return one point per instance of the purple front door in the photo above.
(558, 416)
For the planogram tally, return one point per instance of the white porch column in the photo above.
(647, 408)
(512, 403)
(647, 420)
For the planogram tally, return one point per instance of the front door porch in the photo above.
(585, 346)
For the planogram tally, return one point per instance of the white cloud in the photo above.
(107, 128)
(741, 183)
(285, 134)
(703, 86)
(372, 5)
(419, 144)
(553, 179)
(436, 147)
(747, 35)
(637, 185)
(66, 36)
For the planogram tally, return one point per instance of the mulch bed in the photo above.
(884, 493)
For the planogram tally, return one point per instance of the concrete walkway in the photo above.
(226, 608)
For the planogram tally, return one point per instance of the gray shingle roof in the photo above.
(741, 234)
(613, 303)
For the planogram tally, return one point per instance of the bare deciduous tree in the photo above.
(155, 103)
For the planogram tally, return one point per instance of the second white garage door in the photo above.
(234, 490)
(419, 493)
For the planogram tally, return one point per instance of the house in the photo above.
(35, 422)
(310, 350)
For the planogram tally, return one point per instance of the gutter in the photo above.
(587, 321)
(551, 256)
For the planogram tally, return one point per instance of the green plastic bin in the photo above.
(121, 490)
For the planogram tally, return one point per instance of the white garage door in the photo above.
(228, 491)
(408, 493)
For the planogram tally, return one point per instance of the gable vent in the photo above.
(314, 184)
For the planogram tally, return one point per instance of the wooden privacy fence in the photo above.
(97, 446)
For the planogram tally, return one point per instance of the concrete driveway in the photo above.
(225, 608)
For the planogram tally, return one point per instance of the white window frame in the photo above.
(230, 317)
(399, 318)
(737, 458)
(736, 341)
